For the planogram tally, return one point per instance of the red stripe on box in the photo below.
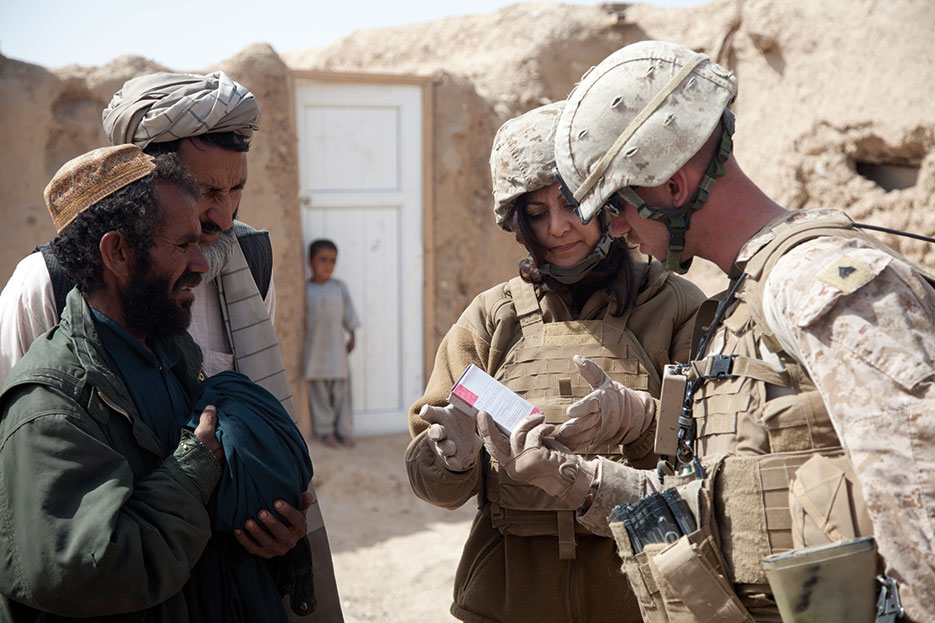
(464, 394)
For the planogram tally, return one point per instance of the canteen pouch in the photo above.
(684, 581)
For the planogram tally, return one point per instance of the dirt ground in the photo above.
(394, 555)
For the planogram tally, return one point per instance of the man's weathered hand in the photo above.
(453, 436)
(611, 414)
(205, 432)
(281, 536)
(530, 457)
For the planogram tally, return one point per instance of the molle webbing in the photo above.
(539, 368)
(780, 402)
(751, 500)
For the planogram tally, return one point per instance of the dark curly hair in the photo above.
(321, 243)
(133, 212)
(224, 140)
(603, 276)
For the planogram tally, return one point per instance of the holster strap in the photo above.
(703, 591)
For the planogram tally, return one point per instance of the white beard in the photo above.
(218, 254)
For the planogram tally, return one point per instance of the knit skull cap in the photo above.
(637, 118)
(85, 180)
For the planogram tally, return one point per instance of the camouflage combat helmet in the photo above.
(521, 160)
(636, 119)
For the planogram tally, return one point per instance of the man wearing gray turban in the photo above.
(164, 107)
(208, 120)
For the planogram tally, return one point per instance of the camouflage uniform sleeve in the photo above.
(616, 484)
(861, 322)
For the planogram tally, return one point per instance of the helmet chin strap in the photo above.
(678, 220)
(575, 273)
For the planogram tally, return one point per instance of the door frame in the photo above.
(427, 84)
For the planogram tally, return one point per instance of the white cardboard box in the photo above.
(478, 391)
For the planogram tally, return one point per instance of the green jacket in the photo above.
(94, 521)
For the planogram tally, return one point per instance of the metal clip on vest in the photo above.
(889, 608)
(686, 454)
(720, 368)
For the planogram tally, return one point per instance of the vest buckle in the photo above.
(719, 366)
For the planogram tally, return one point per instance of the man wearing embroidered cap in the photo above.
(208, 121)
(816, 368)
(103, 497)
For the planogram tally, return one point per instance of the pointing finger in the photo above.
(591, 372)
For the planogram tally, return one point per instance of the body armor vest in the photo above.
(759, 424)
(539, 368)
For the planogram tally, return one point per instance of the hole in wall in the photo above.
(889, 176)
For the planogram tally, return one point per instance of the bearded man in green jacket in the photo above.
(102, 493)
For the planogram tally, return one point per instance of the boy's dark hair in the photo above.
(224, 140)
(133, 212)
(318, 245)
(603, 276)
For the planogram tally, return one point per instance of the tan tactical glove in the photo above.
(453, 436)
(611, 414)
(528, 456)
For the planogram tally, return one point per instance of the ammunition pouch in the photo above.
(685, 581)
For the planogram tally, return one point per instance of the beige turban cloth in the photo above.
(163, 107)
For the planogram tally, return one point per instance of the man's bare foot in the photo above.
(329, 440)
(347, 442)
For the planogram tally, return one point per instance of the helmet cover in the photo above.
(637, 118)
(522, 159)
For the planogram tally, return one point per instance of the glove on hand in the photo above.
(611, 414)
(453, 436)
(529, 457)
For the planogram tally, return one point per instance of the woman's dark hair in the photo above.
(605, 275)
(224, 140)
(133, 212)
(318, 245)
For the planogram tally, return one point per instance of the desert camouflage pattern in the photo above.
(861, 322)
(615, 95)
(522, 159)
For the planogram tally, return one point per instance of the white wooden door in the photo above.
(360, 169)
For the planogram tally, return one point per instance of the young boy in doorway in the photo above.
(329, 314)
